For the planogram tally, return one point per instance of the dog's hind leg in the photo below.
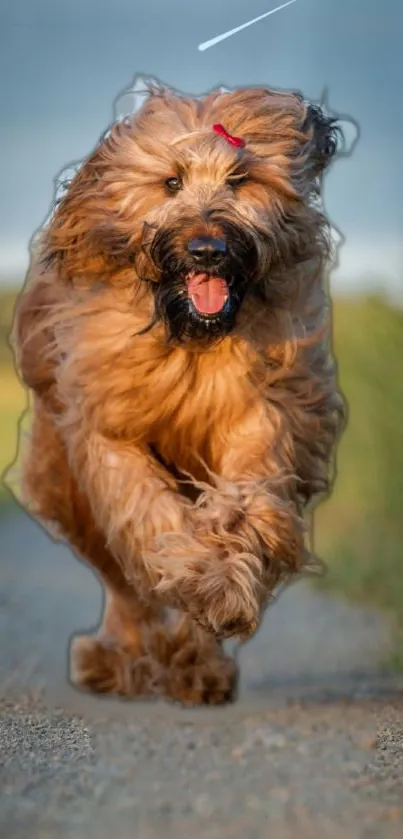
(181, 663)
(139, 652)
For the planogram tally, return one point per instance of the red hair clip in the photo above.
(234, 141)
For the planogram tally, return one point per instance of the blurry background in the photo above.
(62, 65)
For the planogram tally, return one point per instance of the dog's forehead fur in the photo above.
(254, 111)
(178, 130)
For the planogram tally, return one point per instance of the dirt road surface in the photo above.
(312, 748)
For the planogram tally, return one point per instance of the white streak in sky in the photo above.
(207, 44)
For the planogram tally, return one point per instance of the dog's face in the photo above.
(203, 203)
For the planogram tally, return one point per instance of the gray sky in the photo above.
(63, 63)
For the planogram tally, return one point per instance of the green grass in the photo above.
(359, 530)
(12, 396)
(12, 404)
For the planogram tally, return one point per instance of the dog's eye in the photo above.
(237, 179)
(173, 184)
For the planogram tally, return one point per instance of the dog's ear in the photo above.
(80, 233)
(32, 336)
(66, 232)
(324, 136)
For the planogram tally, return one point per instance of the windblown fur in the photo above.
(177, 452)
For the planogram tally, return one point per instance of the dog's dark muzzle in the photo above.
(203, 280)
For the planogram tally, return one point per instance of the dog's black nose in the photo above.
(207, 249)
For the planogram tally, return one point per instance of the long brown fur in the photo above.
(181, 471)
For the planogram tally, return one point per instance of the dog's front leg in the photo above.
(252, 520)
(158, 538)
(247, 521)
(217, 561)
(135, 503)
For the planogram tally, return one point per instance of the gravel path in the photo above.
(312, 748)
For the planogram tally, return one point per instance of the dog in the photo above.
(174, 335)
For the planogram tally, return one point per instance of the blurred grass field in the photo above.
(13, 397)
(359, 529)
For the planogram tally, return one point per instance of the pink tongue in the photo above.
(208, 294)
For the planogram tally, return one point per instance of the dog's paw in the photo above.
(223, 596)
(200, 676)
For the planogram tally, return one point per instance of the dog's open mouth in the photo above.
(208, 294)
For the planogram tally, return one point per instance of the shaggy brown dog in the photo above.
(174, 332)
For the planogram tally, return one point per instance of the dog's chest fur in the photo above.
(184, 402)
(202, 397)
